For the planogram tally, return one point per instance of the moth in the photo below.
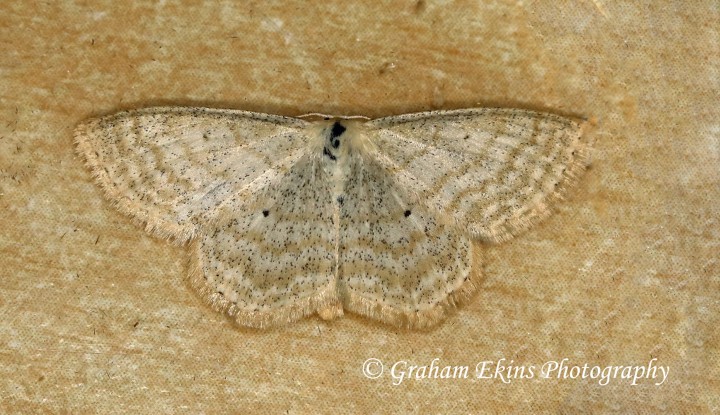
(286, 217)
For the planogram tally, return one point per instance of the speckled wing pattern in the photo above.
(399, 261)
(269, 254)
(167, 167)
(494, 171)
(286, 217)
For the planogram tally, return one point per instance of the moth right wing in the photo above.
(167, 167)
(399, 261)
(494, 171)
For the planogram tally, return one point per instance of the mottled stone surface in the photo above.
(95, 315)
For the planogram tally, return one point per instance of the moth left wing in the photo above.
(168, 166)
(269, 256)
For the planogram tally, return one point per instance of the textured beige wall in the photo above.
(95, 315)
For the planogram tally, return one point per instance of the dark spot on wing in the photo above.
(266, 212)
(407, 213)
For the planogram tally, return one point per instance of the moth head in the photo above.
(337, 137)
